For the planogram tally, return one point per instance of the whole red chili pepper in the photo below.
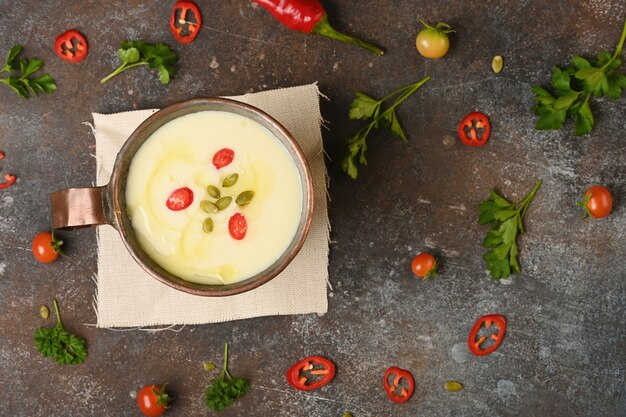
(309, 16)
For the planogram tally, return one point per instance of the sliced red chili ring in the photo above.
(314, 366)
(474, 129)
(71, 46)
(180, 199)
(223, 157)
(394, 390)
(474, 345)
(238, 226)
(9, 181)
(185, 21)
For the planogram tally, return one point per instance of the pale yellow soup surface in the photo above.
(180, 154)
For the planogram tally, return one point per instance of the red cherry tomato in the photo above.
(424, 265)
(237, 226)
(46, 249)
(474, 129)
(598, 202)
(223, 157)
(185, 21)
(153, 400)
(71, 46)
(179, 199)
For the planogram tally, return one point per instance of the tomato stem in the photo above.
(439, 27)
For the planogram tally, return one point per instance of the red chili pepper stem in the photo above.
(325, 29)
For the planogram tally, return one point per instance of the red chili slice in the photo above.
(10, 180)
(180, 199)
(185, 21)
(474, 345)
(312, 366)
(71, 46)
(394, 391)
(2, 155)
(474, 129)
(223, 157)
(237, 226)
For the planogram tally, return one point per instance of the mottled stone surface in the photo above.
(565, 350)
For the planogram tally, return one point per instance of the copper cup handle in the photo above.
(79, 207)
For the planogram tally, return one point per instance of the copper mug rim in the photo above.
(94, 206)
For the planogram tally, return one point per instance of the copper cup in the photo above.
(92, 206)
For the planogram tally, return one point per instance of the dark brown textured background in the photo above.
(564, 353)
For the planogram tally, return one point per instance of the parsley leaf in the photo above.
(575, 85)
(225, 389)
(506, 221)
(156, 56)
(64, 347)
(23, 85)
(129, 55)
(364, 107)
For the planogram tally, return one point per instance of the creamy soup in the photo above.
(214, 197)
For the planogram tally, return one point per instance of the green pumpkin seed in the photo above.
(207, 225)
(244, 198)
(230, 180)
(208, 366)
(453, 386)
(44, 312)
(208, 207)
(223, 202)
(497, 63)
(347, 414)
(213, 191)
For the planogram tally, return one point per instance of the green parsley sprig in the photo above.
(575, 85)
(225, 389)
(25, 81)
(64, 347)
(506, 221)
(364, 107)
(136, 53)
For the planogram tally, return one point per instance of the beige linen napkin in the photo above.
(128, 297)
